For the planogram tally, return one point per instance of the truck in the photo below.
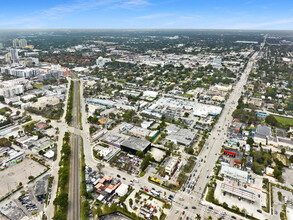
(155, 193)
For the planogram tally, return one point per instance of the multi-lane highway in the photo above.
(210, 151)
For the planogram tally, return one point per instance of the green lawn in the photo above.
(38, 86)
(284, 121)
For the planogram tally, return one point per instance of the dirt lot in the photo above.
(12, 176)
(287, 175)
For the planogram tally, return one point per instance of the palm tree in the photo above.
(198, 217)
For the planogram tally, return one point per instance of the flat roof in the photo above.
(238, 192)
(136, 143)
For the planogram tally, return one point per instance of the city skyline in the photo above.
(148, 14)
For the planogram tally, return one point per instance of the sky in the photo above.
(194, 14)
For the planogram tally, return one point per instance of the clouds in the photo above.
(146, 14)
(44, 18)
(155, 16)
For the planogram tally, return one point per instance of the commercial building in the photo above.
(200, 110)
(104, 102)
(181, 136)
(234, 173)
(41, 144)
(108, 153)
(171, 165)
(243, 193)
(234, 153)
(13, 157)
(114, 140)
(134, 144)
(137, 131)
(151, 94)
(122, 190)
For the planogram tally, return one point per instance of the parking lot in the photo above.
(127, 162)
(142, 202)
(286, 197)
(18, 173)
(250, 207)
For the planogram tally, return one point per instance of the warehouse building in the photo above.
(134, 144)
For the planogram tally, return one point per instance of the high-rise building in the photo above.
(13, 54)
(22, 43)
(15, 43)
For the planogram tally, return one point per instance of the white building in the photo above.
(234, 173)
(171, 166)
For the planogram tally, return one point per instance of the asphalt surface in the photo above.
(74, 179)
(209, 154)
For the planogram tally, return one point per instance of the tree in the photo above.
(271, 120)
(198, 217)
(250, 141)
(61, 200)
(256, 168)
(146, 161)
(100, 166)
(283, 151)
(4, 142)
(59, 215)
(140, 154)
(277, 173)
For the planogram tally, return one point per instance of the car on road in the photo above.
(123, 178)
(193, 207)
(118, 176)
(186, 207)
(211, 207)
(259, 211)
(233, 217)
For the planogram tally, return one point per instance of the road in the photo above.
(74, 179)
(210, 151)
